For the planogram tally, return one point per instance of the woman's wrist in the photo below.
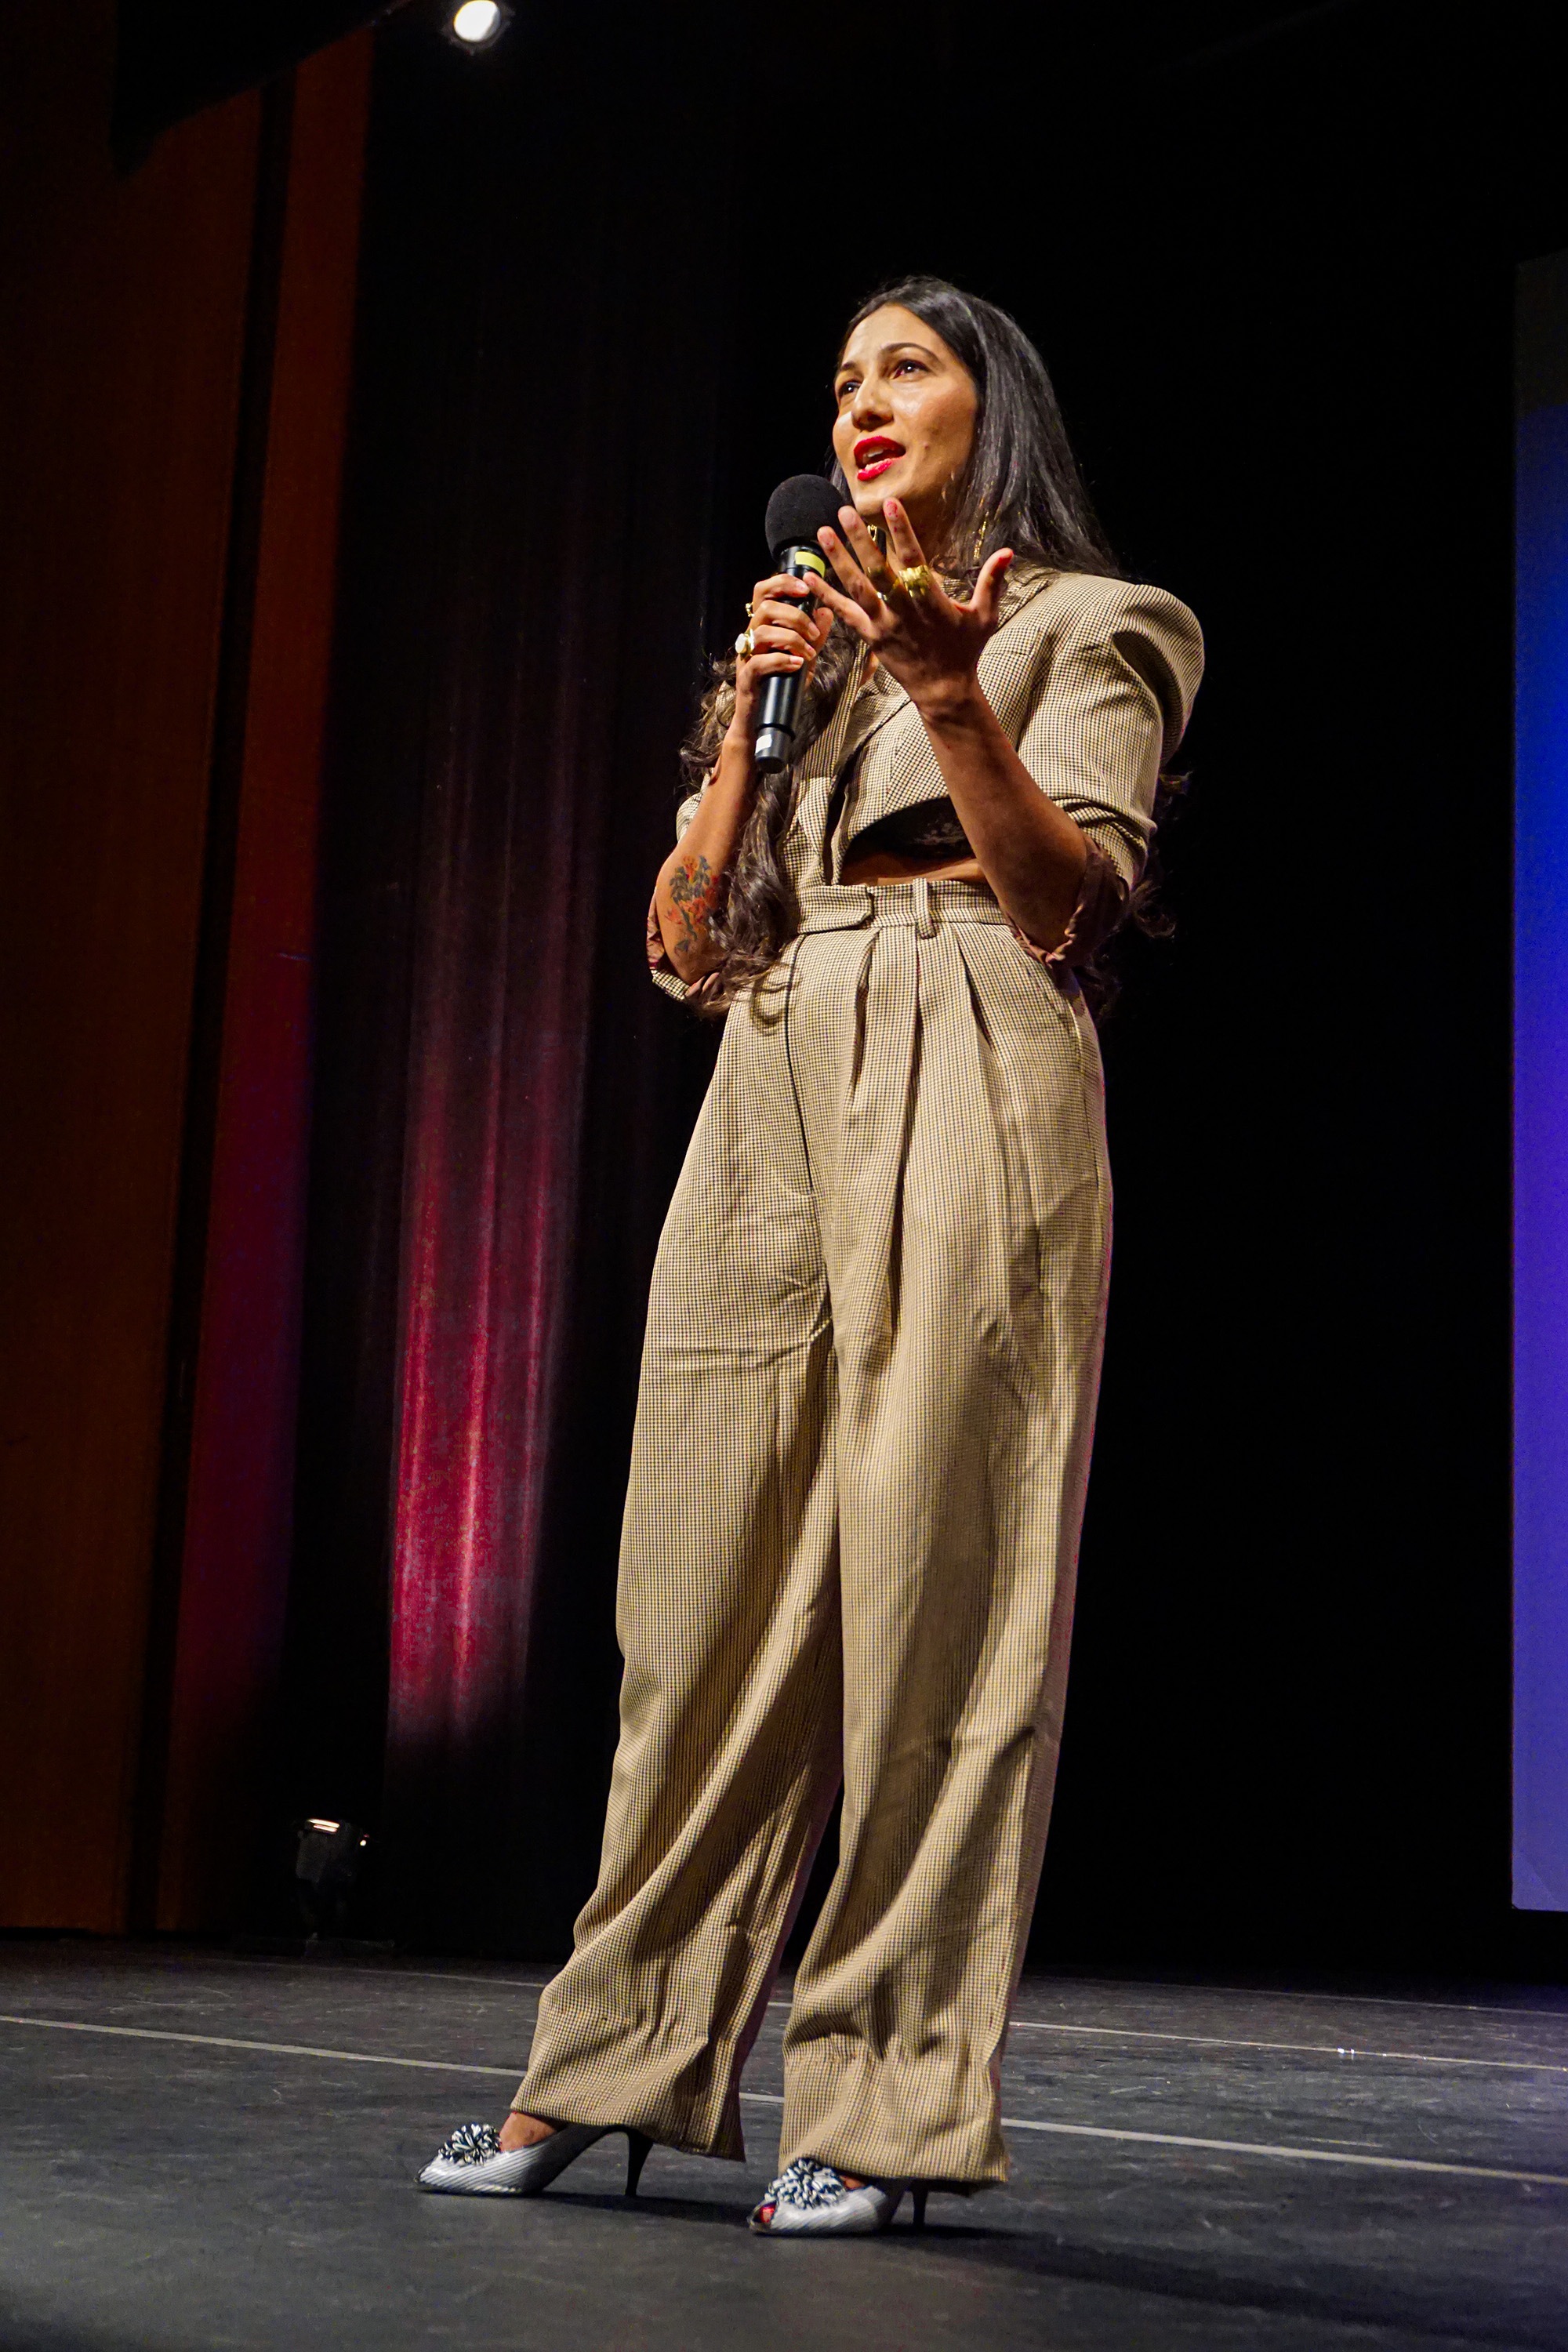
(953, 704)
(739, 748)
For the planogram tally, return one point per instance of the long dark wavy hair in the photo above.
(1021, 488)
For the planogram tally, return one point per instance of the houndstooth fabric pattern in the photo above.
(856, 1485)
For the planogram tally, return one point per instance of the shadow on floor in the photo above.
(1043, 2257)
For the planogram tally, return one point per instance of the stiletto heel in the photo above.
(473, 2163)
(920, 2193)
(638, 2146)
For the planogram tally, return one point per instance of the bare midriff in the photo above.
(888, 866)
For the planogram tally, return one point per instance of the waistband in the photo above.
(921, 904)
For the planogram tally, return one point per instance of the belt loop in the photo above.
(925, 921)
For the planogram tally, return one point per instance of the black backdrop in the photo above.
(1273, 281)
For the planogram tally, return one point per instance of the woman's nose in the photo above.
(868, 407)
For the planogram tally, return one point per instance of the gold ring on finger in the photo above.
(916, 580)
(746, 644)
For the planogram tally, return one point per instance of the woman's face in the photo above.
(905, 425)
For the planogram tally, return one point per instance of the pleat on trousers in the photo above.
(851, 1531)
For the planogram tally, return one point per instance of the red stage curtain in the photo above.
(515, 845)
(201, 1795)
(524, 574)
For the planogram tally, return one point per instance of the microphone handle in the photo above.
(781, 695)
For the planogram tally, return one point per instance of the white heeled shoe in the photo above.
(812, 2200)
(473, 2163)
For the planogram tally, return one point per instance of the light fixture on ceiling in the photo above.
(478, 23)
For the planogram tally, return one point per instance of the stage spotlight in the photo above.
(478, 24)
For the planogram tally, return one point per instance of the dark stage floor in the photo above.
(202, 2151)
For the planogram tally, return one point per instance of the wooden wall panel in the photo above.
(122, 306)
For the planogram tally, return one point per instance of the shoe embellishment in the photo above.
(806, 2185)
(470, 2144)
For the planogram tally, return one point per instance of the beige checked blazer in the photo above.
(1091, 679)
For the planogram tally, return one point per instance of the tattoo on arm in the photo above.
(694, 894)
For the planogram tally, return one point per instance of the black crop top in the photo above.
(930, 828)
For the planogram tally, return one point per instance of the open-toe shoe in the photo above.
(812, 2200)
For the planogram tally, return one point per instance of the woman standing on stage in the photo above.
(874, 1337)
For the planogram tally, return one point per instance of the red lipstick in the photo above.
(874, 455)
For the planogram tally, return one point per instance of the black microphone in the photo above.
(796, 512)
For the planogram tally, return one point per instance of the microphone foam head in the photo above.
(798, 510)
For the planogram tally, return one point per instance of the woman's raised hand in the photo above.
(930, 641)
(783, 636)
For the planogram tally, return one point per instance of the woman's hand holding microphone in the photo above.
(782, 636)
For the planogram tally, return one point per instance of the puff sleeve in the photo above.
(660, 970)
(1118, 674)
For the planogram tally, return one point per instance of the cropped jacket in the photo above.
(1091, 679)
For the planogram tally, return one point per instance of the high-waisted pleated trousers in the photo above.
(856, 1485)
